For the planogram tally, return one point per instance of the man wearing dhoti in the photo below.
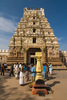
(14, 65)
(50, 68)
(20, 66)
(16, 71)
(21, 76)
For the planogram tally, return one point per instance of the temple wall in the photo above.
(29, 40)
(63, 55)
(3, 56)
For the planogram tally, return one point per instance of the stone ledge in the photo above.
(2, 51)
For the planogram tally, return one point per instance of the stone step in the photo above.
(54, 60)
(10, 58)
(13, 60)
(56, 63)
(59, 67)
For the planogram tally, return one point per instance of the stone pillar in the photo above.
(38, 56)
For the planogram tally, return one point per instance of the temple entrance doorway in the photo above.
(31, 55)
(32, 60)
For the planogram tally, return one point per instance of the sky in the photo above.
(11, 11)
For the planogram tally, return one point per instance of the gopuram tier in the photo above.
(34, 34)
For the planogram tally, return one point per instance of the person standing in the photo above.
(16, 71)
(27, 72)
(2, 69)
(50, 68)
(24, 66)
(21, 76)
(47, 70)
(44, 69)
(20, 66)
(32, 69)
(11, 70)
(14, 65)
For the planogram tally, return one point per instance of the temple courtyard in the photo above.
(11, 90)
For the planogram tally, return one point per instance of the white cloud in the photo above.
(59, 38)
(4, 42)
(63, 47)
(7, 25)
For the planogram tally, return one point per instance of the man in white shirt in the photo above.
(20, 66)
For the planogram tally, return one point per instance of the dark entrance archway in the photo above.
(31, 55)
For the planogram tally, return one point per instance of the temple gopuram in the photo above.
(34, 34)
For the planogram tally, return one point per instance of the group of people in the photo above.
(47, 68)
(21, 71)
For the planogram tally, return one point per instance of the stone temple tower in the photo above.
(33, 34)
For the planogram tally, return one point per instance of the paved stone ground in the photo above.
(11, 90)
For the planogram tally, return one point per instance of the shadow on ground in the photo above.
(12, 93)
(51, 77)
(54, 83)
(27, 97)
(54, 73)
(3, 79)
